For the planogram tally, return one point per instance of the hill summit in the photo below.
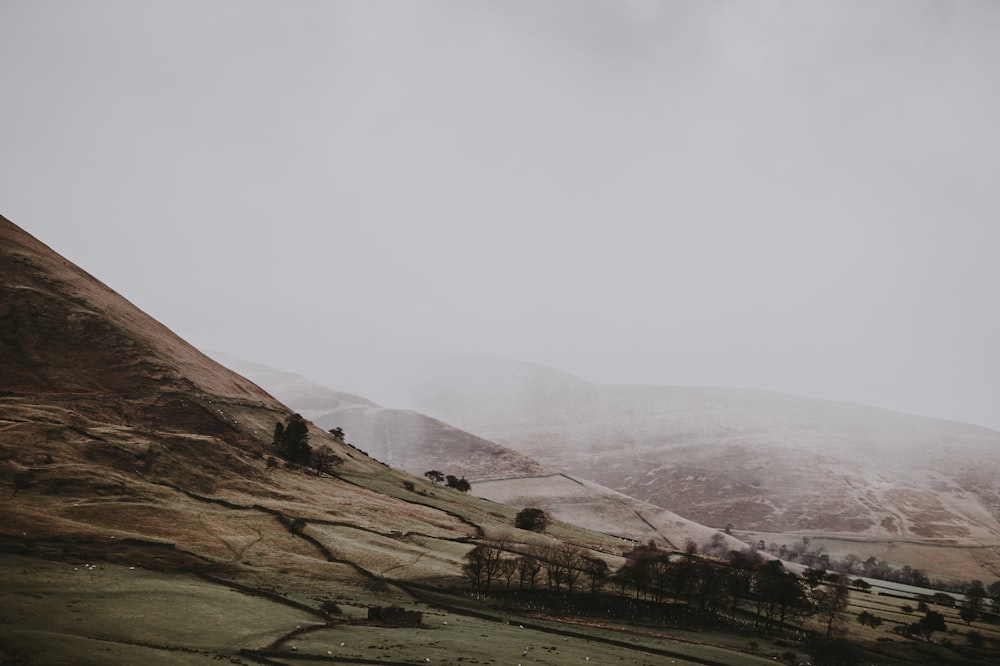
(67, 339)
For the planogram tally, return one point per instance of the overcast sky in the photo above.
(796, 196)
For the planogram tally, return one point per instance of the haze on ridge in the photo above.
(780, 196)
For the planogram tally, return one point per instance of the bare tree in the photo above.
(831, 600)
(508, 569)
(562, 566)
(716, 547)
(742, 575)
(597, 570)
(779, 592)
(324, 460)
(528, 568)
(483, 564)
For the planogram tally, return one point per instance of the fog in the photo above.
(799, 197)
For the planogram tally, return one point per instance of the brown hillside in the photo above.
(122, 445)
(404, 439)
(113, 426)
(67, 339)
(145, 524)
(776, 467)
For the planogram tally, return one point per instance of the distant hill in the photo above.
(773, 466)
(147, 520)
(400, 438)
(417, 443)
(595, 507)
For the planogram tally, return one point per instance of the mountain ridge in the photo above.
(496, 473)
(129, 458)
(404, 439)
(150, 519)
(767, 464)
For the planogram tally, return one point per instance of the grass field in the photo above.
(77, 613)
(58, 612)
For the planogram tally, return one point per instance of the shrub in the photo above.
(291, 440)
(462, 485)
(532, 519)
(395, 615)
(869, 619)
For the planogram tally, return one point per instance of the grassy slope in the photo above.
(125, 448)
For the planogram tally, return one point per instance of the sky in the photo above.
(793, 196)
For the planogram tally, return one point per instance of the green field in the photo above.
(57, 612)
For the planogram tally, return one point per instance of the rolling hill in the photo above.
(413, 442)
(403, 439)
(148, 519)
(774, 467)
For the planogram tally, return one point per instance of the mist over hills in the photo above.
(774, 468)
(146, 518)
(416, 443)
(762, 462)
(403, 439)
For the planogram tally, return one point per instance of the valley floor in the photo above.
(76, 612)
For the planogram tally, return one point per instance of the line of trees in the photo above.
(773, 595)
(976, 592)
(556, 568)
(743, 593)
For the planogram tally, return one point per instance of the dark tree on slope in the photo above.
(528, 568)
(779, 593)
(324, 460)
(646, 569)
(562, 565)
(453, 481)
(434, 476)
(993, 592)
(291, 440)
(483, 565)
(741, 577)
(932, 621)
(532, 519)
(831, 600)
(869, 619)
(597, 570)
(968, 614)
(974, 597)
(814, 577)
